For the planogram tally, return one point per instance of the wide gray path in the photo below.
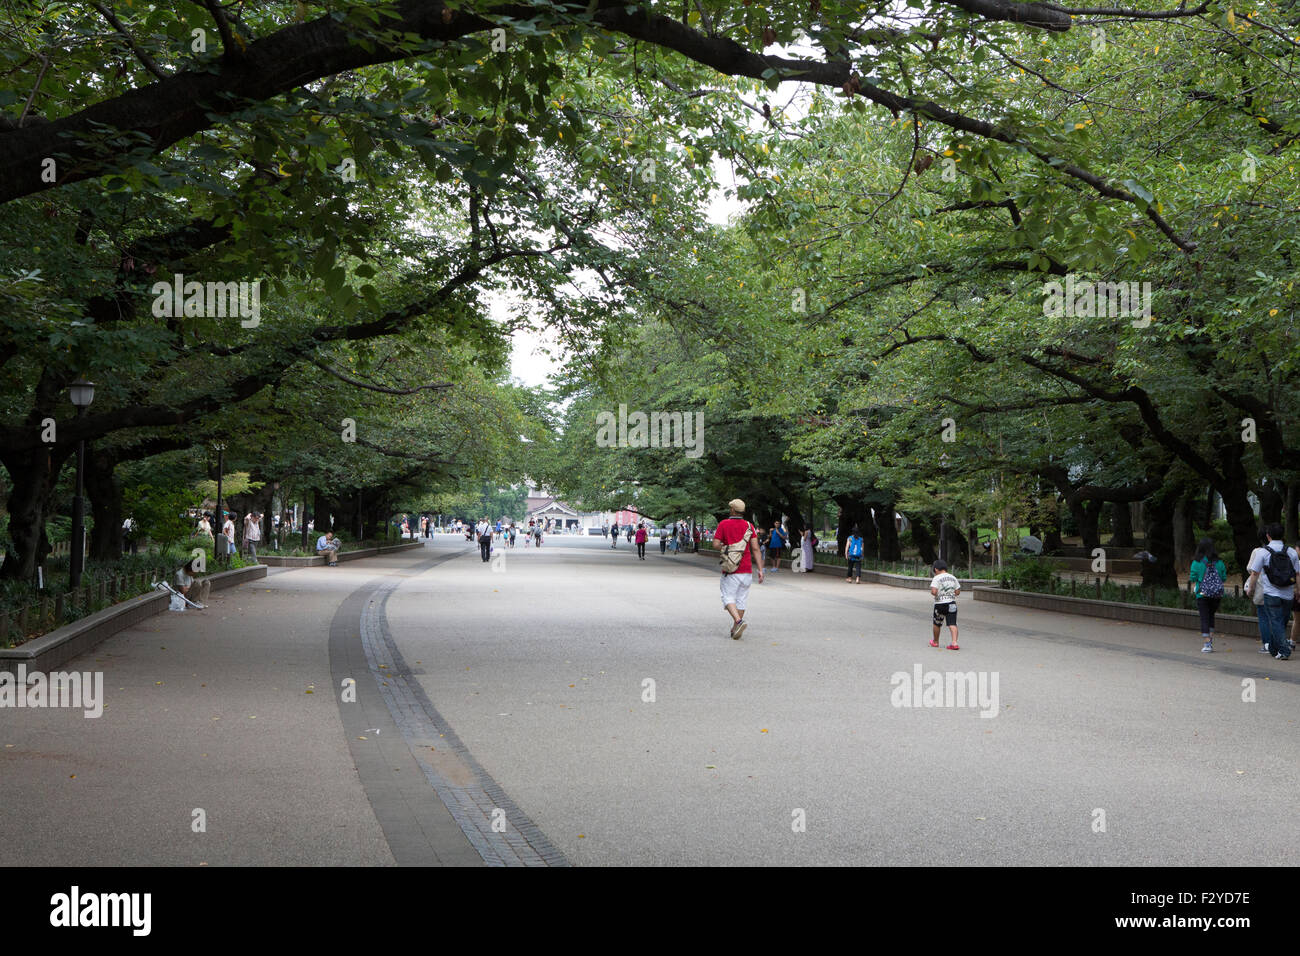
(503, 717)
(541, 666)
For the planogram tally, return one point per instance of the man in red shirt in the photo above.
(735, 534)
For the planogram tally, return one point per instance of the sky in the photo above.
(531, 366)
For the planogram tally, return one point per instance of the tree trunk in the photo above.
(887, 532)
(1292, 513)
(1242, 520)
(1184, 546)
(1087, 515)
(1271, 502)
(870, 543)
(1052, 543)
(33, 475)
(105, 493)
(1121, 525)
(924, 535)
(853, 513)
(1159, 532)
(322, 515)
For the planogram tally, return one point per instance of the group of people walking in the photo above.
(252, 531)
(486, 534)
(1272, 572)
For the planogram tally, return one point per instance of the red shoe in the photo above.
(934, 643)
(952, 647)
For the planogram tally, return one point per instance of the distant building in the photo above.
(542, 505)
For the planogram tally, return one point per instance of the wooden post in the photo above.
(22, 622)
(1073, 586)
(1123, 593)
(59, 607)
(1099, 589)
(4, 627)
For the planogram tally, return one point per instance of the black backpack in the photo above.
(1278, 568)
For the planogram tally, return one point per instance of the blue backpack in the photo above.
(1211, 582)
(855, 547)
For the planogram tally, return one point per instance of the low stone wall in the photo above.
(277, 561)
(875, 577)
(1117, 611)
(52, 650)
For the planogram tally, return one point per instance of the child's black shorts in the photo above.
(945, 613)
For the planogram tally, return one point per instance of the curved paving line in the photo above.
(415, 749)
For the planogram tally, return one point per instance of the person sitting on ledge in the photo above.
(328, 547)
(185, 583)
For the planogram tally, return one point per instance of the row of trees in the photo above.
(884, 327)
(382, 169)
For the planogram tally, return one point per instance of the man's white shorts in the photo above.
(735, 589)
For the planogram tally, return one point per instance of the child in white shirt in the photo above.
(945, 589)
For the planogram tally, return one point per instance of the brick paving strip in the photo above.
(414, 738)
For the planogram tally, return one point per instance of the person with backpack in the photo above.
(1207, 576)
(641, 536)
(1274, 569)
(853, 555)
(737, 539)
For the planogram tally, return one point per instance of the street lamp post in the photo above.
(220, 446)
(82, 394)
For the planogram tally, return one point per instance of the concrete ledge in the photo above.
(61, 645)
(1134, 613)
(276, 561)
(874, 577)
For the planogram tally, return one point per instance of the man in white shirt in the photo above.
(228, 529)
(1274, 569)
(252, 532)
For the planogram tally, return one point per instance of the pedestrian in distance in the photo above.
(640, 540)
(1274, 569)
(944, 588)
(252, 533)
(1256, 594)
(513, 531)
(228, 529)
(1207, 575)
(809, 546)
(484, 532)
(613, 538)
(737, 539)
(853, 555)
(663, 540)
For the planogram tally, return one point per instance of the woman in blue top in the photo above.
(853, 554)
(1207, 576)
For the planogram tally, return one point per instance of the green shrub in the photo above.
(1027, 572)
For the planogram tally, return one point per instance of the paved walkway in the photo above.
(503, 716)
